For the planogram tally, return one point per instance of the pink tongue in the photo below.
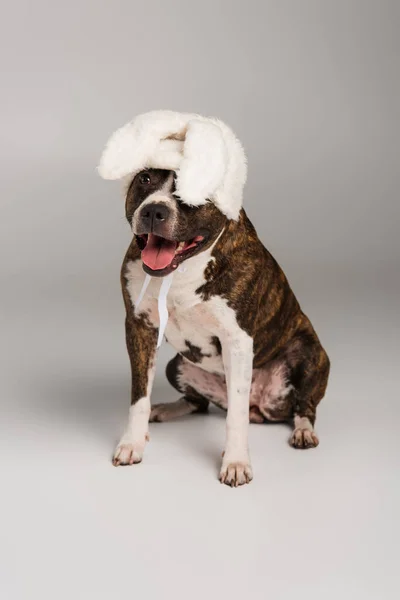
(159, 252)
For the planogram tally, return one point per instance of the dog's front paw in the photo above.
(303, 439)
(235, 473)
(128, 453)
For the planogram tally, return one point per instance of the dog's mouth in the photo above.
(161, 256)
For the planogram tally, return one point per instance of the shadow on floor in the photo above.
(97, 406)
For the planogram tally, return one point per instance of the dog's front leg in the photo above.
(237, 354)
(141, 341)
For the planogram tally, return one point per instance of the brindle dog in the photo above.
(241, 338)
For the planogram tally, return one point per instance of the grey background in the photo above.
(312, 89)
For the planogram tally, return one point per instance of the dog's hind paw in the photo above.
(167, 411)
(303, 439)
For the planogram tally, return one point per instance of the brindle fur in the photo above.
(248, 277)
(141, 337)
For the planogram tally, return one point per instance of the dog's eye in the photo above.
(144, 178)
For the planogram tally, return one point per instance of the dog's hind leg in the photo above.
(309, 377)
(167, 411)
(187, 379)
(199, 388)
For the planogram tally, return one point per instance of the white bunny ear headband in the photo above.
(208, 158)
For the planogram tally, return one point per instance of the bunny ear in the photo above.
(205, 160)
(209, 160)
(214, 167)
(136, 145)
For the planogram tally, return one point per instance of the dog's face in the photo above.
(167, 230)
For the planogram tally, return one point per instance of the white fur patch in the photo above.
(302, 423)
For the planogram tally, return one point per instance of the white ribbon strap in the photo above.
(145, 285)
(162, 306)
(162, 303)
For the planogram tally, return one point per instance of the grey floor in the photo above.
(314, 524)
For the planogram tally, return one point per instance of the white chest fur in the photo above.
(191, 321)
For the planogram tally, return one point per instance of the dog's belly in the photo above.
(269, 394)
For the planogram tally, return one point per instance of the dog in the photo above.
(241, 338)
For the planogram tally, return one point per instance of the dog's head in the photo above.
(167, 230)
(188, 177)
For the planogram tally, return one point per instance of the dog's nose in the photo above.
(154, 214)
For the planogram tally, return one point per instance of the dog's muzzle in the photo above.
(155, 218)
(153, 215)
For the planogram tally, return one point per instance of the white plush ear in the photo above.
(205, 160)
(229, 196)
(132, 147)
